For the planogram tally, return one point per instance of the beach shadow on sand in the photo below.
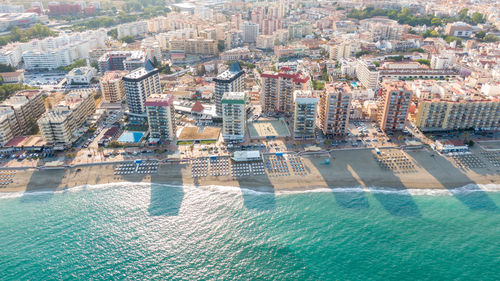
(257, 191)
(166, 199)
(350, 195)
(451, 177)
(359, 172)
(259, 198)
(49, 179)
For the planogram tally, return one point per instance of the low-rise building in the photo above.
(458, 29)
(80, 75)
(16, 77)
(236, 54)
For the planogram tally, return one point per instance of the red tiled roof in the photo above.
(197, 107)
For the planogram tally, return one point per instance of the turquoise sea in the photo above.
(159, 232)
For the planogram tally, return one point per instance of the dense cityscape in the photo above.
(268, 95)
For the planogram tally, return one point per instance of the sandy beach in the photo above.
(348, 168)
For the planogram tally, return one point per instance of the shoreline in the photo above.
(348, 170)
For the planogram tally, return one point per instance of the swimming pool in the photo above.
(131, 137)
(354, 84)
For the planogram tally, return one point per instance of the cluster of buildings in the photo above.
(63, 124)
(53, 52)
(77, 7)
(310, 67)
(19, 114)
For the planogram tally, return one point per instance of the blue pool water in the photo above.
(131, 137)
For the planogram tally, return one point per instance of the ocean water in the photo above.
(159, 232)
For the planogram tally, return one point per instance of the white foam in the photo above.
(267, 190)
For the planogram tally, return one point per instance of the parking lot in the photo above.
(365, 133)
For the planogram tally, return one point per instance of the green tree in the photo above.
(220, 45)
(317, 85)
(7, 89)
(480, 35)
(491, 38)
(361, 53)
(113, 33)
(450, 39)
(424, 61)
(436, 22)
(128, 39)
(477, 18)
(16, 34)
(6, 68)
(76, 64)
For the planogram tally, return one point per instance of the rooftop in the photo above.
(234, 96)
(159, 100)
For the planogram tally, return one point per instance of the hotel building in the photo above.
(393, 109)
(161, 117)
(234, 116)
(139, 85)
(277, 89)
(112, 86)
(367, 74)
(448, 115)
(60, 127)
(334, 109)
(19, 113)
(304, 118)
(229, 81)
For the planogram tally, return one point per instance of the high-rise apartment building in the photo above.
(140, 84)
(112, 85)
(277, 89)
(394, 107)
(161, 117)
(234, 116)
(229, 81)
(367, 74)
(334, 109)
(447, 115)
(19, 113)
(304, 116)
(59, 127)
(250, 32)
